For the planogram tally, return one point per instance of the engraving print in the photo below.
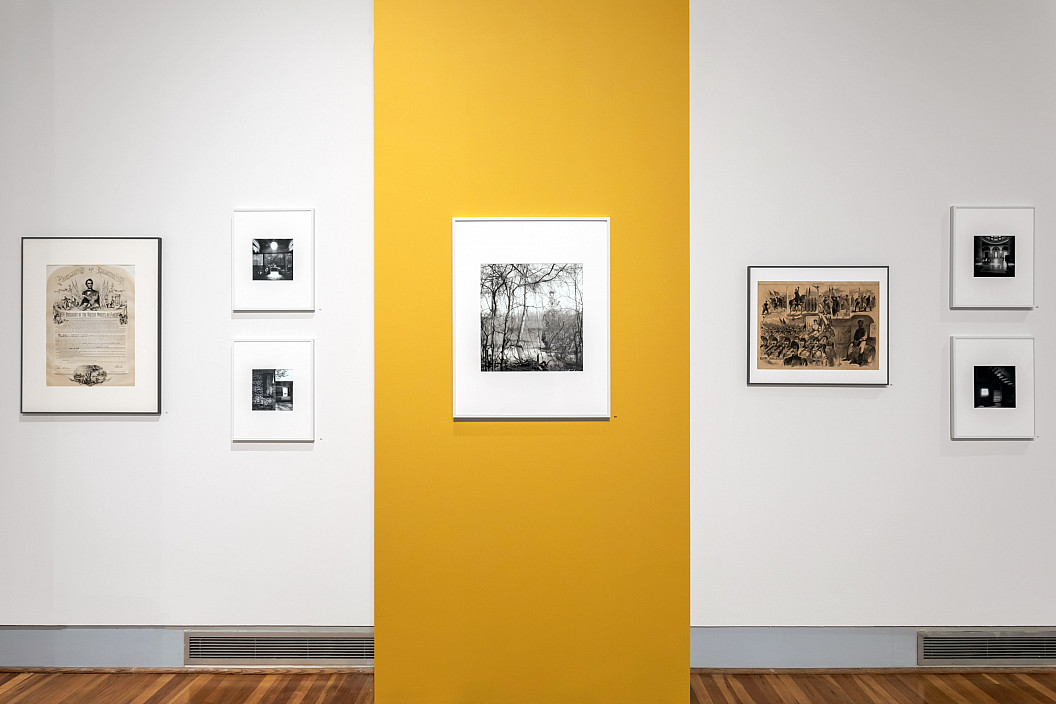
(818, 325)
(90, 325)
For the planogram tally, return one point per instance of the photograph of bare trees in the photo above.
(531, 317)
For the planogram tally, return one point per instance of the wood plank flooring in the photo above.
(357, 687)
(186, 687)
(872, 687)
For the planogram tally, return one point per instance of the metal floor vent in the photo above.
(991, 648)
(338, 647)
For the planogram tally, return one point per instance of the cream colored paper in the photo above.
(91, 325)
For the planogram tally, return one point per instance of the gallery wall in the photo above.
(122, 118)
(532, 561)
(840, 133)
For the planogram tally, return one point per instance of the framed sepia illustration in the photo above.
(91, 325)
(273, 390)
(818, 325)
(992, 387)
(531, 318)
(991, 257)
(273, 260)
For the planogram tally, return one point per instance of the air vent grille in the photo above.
(986, 648)
(289, 648)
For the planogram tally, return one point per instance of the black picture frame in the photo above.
(818, 325)
(108, 360)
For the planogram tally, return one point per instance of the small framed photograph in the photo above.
(991, 257)
(818, 325)
(992, 387)
(273, 390)
(91, 325)
(531, 318)
(273, 260)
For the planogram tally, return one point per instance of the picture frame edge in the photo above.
(158, 407)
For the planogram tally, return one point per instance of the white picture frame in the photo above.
(796, 338)
(982, 372)
(500, 376)
(91, 325)
(273, 390)
(273, 260)
(991, 256)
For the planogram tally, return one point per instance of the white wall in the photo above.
(132, 118)
(840, 132)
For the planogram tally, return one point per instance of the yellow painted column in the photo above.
(532, 561)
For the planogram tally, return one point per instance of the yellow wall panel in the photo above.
(532, 562)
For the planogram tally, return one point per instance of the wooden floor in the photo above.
(299, 687)
(186, 688)
(914, 687)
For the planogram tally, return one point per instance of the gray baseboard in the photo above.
(61, 646)
(163, 646)
(718, 647)
(785, 647)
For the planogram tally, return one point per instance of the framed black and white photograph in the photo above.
(273, 390)
(91, 325)
(992, 387)
(531, 318)
(273, 260)
(991, 257)
(818, 325)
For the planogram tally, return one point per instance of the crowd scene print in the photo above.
(818, 325)
(531, 317)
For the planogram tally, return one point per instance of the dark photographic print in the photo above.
(273, 260)
(995, 387)
(531, 317)
(272, 389)
(818, 325)
(995, 255)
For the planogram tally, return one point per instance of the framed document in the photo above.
(531, 318)
(273, 390)
(991, 257)
(818, 325)
(992, 388)
(273, 260)
(91, 325)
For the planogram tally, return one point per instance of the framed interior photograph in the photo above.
(992, 388)
(273, 390)
(991, 257)
(531, 318)
(91, 325)
(273, 260)
(818, 325)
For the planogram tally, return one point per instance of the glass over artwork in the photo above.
(992, 256)
(818, 325)
(273, 260)
(531, 317)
